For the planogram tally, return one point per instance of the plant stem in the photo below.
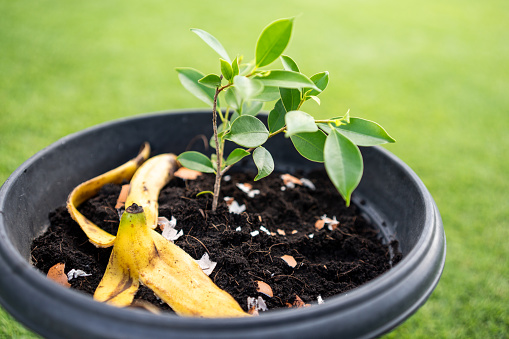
(219, 155)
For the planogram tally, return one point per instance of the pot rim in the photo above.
(29, 277)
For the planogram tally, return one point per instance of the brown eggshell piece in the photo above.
(264, 288)
(289, 260)
(290, 178)
(187, 174)
(319, 224)
(299, 302)
(57, 274)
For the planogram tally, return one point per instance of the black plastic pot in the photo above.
(390, 194)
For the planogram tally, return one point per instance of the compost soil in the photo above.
(330, 260)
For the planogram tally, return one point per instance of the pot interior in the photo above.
(390, 195)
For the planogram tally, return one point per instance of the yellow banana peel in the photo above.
(140, 254)
(88, 189)
(148, 181)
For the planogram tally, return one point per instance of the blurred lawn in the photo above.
(435, 74)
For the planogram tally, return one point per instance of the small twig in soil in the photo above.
(290, 276)
(350, 270)
(199, 242)
(215, 275)
(344, 233)
(280, 243)
(254, 275)
(233, 278)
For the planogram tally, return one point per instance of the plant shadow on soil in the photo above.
(329, 262)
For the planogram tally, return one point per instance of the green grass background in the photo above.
(434, 73)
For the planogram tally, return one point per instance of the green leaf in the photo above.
(321, 80)
(251, 107)
(247, 88)
(276, 118)
(212, 42)
(226, 70)
(315, 99)
(289, 64)
(196, 161)
(263, 161)
(189, 78)
(268, 94)
(204, 192)
(211, 80)
(273, 41)
(221, 131)
(248, 131)
(299, 122)
(235, 67)
(343, 163)
(365, 132)
(287, 79)
(233, 98)
(290, 98)
(236, 155)
(310, 145)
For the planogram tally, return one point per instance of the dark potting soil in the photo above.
(329, 262)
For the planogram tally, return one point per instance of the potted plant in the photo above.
(390, 194)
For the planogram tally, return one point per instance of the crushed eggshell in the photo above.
(289, 260)
(234, 207)
(311, 236)
(238, 229)
(229, 200)
(56, 273)
(227, 178)
(162, 222)
(248, 189)
(122, 197)
(319, 299)
(245, 187)
(308, 183)
(281, 232)
(299, 303)
(263, 229)
(290, 181)
(206, 264)
(255, 233)
(319, 224)
(187, 174)
(264, 288)
(73, 274)
(168, 227)
(256, 304)
(295, 232)
(332, 224)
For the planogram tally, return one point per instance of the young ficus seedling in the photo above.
(241, 89)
